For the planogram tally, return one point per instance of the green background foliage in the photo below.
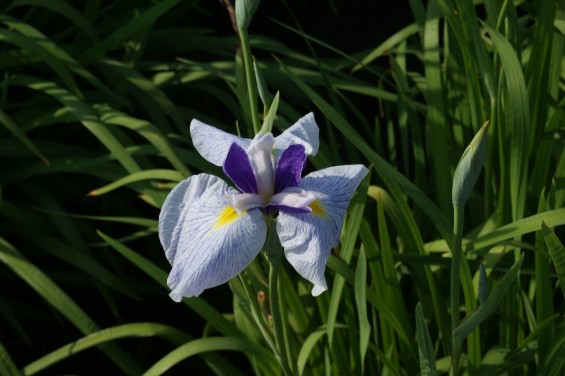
(95, 102)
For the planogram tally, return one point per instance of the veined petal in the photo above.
(176, 205)
(304, 132)
(212, 143)
(238, 168)
(289, 167)
(260, 154)
(215, 244)
(293, 199)
(244, 201)
(308, 238)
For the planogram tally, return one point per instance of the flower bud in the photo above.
(244, 11)
(469, 167)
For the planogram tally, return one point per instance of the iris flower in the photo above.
(211, 231)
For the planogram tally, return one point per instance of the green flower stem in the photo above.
(273, 251)
(250, 79)
(455, 278)
(277, 319)
(257, 316)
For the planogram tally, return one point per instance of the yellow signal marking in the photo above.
(318, 209)
(227, 216)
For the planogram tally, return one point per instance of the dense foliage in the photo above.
(96, 98)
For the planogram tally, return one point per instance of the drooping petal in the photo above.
(260, 153)
(293, 200)
(308, 238)
(212, 143)
(238, 168)
(244, 201)
(215, 243)
(289, 167)
(176, 205)
(304, 132)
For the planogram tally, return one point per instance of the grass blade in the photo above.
(119, 36)
(48, 290)
(20, 135)
(83, 113)
(557, 253)
(380, 165)
(425, 347)
(361, 304)
(517, 118)
(202, 345)
(436, 114)
(387, 45)
(34, 49)
(7, 365)
(270, 118)
(307, 347)
(516, 229)
(59, 55)
(63, 8)
(199, 305)
(157, 174)
(350, 231)
(106, 335)
(544, 290)
(488, 308)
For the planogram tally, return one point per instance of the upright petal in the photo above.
(304, 132)
(176, 205)
(238, 168)
(212, 143)
(289, 167)
(308, 238)
(260, 154)
(215, 243)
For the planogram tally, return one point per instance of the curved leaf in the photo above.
(145, 329)
(157, 174)
(48, 290)
(425, 347)
(516, 229)
(202, 345)
(557, 253)
(7, 365)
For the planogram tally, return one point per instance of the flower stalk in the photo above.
(211, 231)
(250, 79)
(258, 316)
(455, 276)
(244, 10)
(466, 175)
(273, 251)
(277, 318)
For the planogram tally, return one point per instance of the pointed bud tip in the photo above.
(244, 11)
(469, 167)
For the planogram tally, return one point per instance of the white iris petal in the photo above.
(244, 201)
(294, 197)
(211, 232)
(213, 243)
(212, 143)
(260, 154)
(304, 132)
(308, 238)
(176, 206)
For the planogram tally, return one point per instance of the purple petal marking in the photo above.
(238, 168)
(289, 167)
(287, 209)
